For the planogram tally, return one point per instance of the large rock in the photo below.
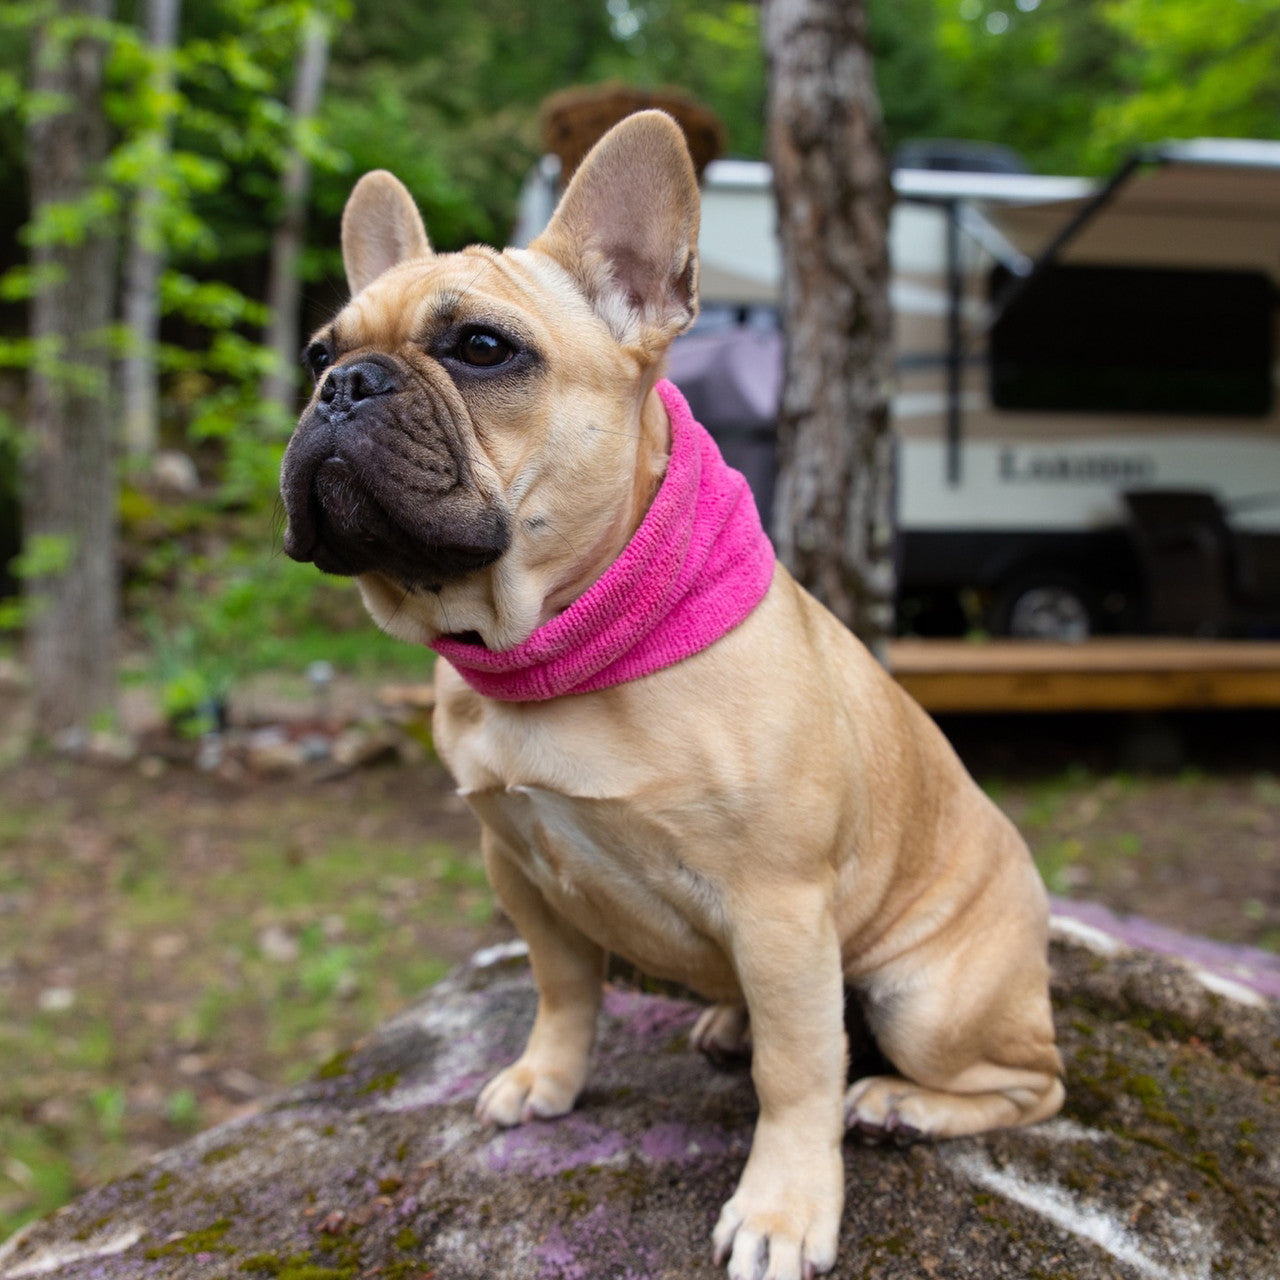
(1164, 1165)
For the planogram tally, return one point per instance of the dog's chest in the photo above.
(617, 874)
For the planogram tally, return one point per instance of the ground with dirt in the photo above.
(177, 943)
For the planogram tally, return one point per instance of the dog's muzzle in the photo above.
(376, 477)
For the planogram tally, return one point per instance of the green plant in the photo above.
(109, 1106)
(1054, 861)
(194, 681)
(182, 1109)
(256, 611)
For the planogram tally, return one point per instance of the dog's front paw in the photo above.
(523, 1092)
(777, 1228)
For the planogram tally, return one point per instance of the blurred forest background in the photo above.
(178, 941)
(214, 146)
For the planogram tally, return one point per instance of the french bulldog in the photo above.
(767, 817)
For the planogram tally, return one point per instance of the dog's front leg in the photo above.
(569, 971)
(783, 1221)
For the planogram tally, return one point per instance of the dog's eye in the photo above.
(484, 349)
(317, 358)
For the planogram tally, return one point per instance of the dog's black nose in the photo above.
(360, 380)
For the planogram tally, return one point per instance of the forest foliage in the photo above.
(446, 93)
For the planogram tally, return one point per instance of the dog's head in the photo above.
(484, 437)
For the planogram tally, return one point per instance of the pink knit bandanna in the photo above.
(696, 567)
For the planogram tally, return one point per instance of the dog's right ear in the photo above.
(381, 227)
(627, 231)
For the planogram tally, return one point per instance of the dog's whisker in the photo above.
(444, 615)
(573, 550)
(279, 519)
(391, 617)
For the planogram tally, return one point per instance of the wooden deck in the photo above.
(1137, 674)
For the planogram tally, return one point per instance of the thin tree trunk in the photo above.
(139, 393)
(69, 490)
(834, 504)
(280, 385)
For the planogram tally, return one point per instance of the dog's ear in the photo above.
(627, 230)
(381, 227)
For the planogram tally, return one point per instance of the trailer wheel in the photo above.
(1046, 606)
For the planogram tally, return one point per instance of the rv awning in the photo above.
(1209, 203)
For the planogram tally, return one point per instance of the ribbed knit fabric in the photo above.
(697, 566)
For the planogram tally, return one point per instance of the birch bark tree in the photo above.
(280, 385)
(834, 501)
(69, 490)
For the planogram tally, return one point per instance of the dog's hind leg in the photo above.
(569, 971)
(975, 1051)
(723, 1033)
(894, 1109)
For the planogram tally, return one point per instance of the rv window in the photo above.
(1135, 340)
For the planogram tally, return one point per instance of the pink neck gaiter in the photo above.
(697, 566)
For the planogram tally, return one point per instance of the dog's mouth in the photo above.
(472, 639)
(348, 523)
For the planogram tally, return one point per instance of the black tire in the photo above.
(1048, 604)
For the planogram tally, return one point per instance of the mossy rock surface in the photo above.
(1162, 1166)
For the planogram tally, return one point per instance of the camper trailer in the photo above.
(1088, 438)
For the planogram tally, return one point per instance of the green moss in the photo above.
(220, 1154)
(297, 1266)
(403, 1271)
(163, 1182)
(1162, 1024)
(383, 1083)
(92, 1228)
(336, 1067)
(206, 1240)
(341, 1250)
(268, 1263)
(1145, 1088)
(894, 1245)
(406, 1239)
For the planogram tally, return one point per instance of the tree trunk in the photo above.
(69, 490)
(139, 395)
(834, 506)
(281, 384)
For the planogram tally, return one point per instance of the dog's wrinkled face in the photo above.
(478, 440)
(380, 474)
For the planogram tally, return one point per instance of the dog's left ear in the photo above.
(381, 227)
(627, 231)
